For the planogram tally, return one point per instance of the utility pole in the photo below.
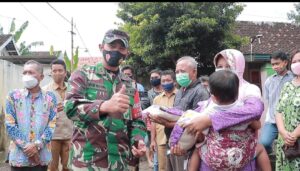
(72, 44)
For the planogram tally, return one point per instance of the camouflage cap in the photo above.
(114, 34)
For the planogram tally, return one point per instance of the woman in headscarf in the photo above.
(249, 93)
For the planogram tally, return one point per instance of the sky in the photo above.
(92, 20)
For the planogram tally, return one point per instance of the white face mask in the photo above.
(220, 69)
(29, 81)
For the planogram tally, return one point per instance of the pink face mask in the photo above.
(296, 68)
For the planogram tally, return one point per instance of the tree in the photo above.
(23, 48)
(295, 16)
(160, 33)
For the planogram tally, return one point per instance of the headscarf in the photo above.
(236, 61)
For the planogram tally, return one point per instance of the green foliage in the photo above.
(295, 16)
(67, 61)
(23, 48)
(75, 60)
(54, 53)
(160, 33)
(71, 66)
(12, 26)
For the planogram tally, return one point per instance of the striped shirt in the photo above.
(272, 89)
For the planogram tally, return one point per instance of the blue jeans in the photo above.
(268, 134)
(155, 161)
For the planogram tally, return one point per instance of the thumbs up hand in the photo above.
(117, 104)
(122, 90)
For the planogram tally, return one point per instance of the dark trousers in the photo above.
(35, 168)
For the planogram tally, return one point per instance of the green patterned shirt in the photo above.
(101, 142)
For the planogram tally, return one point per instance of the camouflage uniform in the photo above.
(101, 142)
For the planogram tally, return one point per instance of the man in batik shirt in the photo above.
(104, 105)
(30, 121)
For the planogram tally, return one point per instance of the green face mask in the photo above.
(183, 79)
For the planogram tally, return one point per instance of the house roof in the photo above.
(4, 38)
(88, 60)
(23, 59)
(276, 36)
(7, 42)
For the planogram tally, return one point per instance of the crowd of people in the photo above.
(94, 120)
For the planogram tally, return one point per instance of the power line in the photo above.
(59, 13)
(83, 41)
(71, 24)
(37, 19)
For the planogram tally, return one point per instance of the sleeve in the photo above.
(281, 104)
(11, 123)
(202, 94)
(266, 90)
(252, 91)
(252, 109)
(76, 106)
(48, 132)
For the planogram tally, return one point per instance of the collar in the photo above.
(174, 92)
(56, 86)
(287, 73)
(27, 93)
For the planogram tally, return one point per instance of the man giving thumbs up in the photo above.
(104, 107)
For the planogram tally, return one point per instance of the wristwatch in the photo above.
(38, 144)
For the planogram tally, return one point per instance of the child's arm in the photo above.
(255, 125)
(194, 161)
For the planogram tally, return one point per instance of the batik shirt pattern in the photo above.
(28, 120)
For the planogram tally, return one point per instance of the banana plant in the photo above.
(23, 48)
(71, 66)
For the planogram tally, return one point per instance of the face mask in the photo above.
(29, 81)
(115, 58)
(183, 79)
(219, 69)
(296, 68)
(155, 82)
(168, 87)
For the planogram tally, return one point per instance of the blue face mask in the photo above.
(155, 82)
(168, 87)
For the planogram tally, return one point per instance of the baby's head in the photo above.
(224, 87)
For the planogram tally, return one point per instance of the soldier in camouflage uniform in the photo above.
(104, 106)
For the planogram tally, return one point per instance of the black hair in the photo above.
(169, 72)
(280, 55)
(204, 78)
(158, 71)
(127, 67)
(224, 85)
(58, 62)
